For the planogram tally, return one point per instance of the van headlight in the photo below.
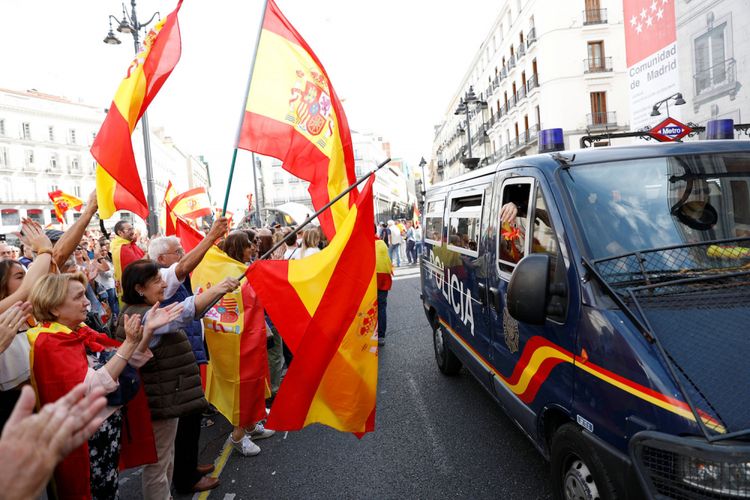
(724, 478)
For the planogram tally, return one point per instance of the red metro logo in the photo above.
(670, 130)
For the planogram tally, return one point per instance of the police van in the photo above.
(602, 297)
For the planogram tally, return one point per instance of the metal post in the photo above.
(255, 183)
(152, 222)
(468, 128)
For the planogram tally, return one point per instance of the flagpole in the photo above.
(244, 103)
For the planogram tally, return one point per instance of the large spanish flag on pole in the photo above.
(325, 308)
(118, 185)
(292, 113)
(237, 377)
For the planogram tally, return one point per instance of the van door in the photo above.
(528, 377)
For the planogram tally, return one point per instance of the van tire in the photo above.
(576, 469)
(447, 362)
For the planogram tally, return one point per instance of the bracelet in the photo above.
(43, 251)
(122, 357)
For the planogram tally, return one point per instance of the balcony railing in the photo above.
(531, 37)
(594, 16)
(521, 50)
(511, 62)
(521, 93)
(532, 83)
(597, 65)
(503, 73)
(717, 79)
(602, 119)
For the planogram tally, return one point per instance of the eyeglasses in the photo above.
(179, 251)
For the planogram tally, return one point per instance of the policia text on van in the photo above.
(609, 318)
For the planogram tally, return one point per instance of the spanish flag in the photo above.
(118, 185)
(237, 380)
(191, 204)
(63, 202)
(166, 220)
(293, 114)
(325, 308)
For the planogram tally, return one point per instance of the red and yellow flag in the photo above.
(166, 220)
(237, 381)
(191, 204)
(325, 308)
(63, 202)
(293, 114)
(118, 185)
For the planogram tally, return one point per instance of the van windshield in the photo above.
(637, 205)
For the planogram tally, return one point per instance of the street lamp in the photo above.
(130, 24)
(422, 163)
(464, 107)
(678, 101)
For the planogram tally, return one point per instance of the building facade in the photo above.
(44, 146)
(713, 49)
(543, 64)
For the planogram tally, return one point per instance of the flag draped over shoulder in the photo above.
(118, 185)
(63, 202)
(237, 377)
(293, 114)
(325, 308)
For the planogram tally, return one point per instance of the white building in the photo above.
(393, 190)
(544, 64)
(44, 146)
(713, 49)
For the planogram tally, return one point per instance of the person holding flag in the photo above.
(124, 250)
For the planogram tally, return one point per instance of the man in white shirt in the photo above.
(394, 249)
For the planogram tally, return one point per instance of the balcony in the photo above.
(531, 37)
(521, 50)
(597, 65)
(720, 79)
(594, 16)
(532, 83)
(521, 93)
(511, 62)
(503, 73)
(601, 119)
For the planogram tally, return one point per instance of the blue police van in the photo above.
(602, 297)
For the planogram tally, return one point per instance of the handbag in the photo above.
(129, 384)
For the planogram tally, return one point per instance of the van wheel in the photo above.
(447, 362)
(577, 470)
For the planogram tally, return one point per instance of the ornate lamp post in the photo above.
(464, 107)
(130, 24)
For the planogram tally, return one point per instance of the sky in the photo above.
(396, 65)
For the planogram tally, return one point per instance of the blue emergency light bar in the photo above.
(720, 129)
(551, 139)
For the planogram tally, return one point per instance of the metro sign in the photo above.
(670, 130)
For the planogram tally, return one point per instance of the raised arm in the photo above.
(208, 298)
(191, 260)
(33, 236)
(68, 241)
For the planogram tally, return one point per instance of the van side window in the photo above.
(463, 223)
(512, 238)
(544, 240)
(433, 221)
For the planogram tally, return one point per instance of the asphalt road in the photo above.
(435, 436)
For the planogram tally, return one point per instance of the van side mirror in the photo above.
(527, 290)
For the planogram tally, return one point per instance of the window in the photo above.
(543, 240)
(26, 130)
(71, 136)
(433, 221)
(51, 131)
(53, 161)
(512, 243)
(29, 157)
(4, 156)
(463, 223)
(75, 164)
(710, 59)
(53, 188)
(598, 108)
(77, 191)
(10, 217)
(596, 56)
(53, 215)
(2, 127)
(36, 215)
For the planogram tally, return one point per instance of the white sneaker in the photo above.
(245, 446)
(260, 432)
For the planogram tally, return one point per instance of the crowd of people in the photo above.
(403, 239)
(107, 329)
